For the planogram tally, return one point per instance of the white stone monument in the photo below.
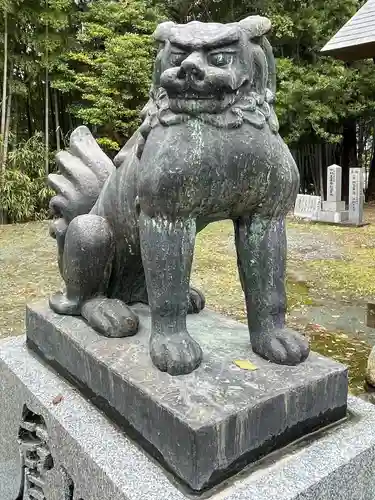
(356, 196)
(307, 206)
(334, 186)
(334, 208)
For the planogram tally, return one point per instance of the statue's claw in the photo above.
(177, 353)
(110, 317)
(60, 304)
(284, 346)
(197, 301)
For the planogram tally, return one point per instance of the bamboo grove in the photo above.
(69, 62)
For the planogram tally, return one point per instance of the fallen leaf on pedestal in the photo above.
(245, 364)
(57, 399)
(319, 327)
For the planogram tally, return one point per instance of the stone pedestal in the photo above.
(334, 208)
(370, 374)
(55, 444)
(332, 217)
(370, 319)
(206, 425)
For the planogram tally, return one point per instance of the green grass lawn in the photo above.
(29, 271)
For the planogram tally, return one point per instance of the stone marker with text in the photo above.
(356, 196)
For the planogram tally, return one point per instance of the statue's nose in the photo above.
(192, 67)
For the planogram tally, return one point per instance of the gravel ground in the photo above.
(304, 245)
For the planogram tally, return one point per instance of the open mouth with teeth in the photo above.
(193, 96)
(194, 101)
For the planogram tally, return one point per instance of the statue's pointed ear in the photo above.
(255, 26)
(163, 31)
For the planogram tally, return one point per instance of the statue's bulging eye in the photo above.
(177, 58)
(220, 59)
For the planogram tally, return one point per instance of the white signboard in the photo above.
(307, 206)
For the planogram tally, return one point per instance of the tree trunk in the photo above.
(57, 121)
(46, 111)
(325, 156)
(7, 123)
(71, 126)
(320, 163)
(349, 154)
(47, 123)
(15, 121)
(28, 113)
(63, 119)
(3, 216)
(5, 79)
(370, 192)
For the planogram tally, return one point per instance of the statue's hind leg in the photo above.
(261, 251)
(167, 253)
(86, 267)
(197, 300)
(86, 263)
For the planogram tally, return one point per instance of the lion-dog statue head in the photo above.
(212, 69)
(222, 74)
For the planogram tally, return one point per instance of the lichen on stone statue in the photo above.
(208, 149)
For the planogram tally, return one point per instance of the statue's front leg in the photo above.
(261, 251)
(167, 253)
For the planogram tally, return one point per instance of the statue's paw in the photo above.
(177, 354)
(284, 346)
(197, 301)
(110, 317)
(60, 304)
(58, 228)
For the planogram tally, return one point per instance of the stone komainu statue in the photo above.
(208, 149)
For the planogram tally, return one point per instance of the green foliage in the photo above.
(315, 97)
(26, 195)
(37, 35)
(100, 54)
(109, 70)
(315, 93)
(108, 145)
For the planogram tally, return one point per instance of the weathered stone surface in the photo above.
(307, 206)
(98, 461)
(208, 149)
(334, 206)
(332, 217)
(206, 424)
(356, 196)
(334, 183)
(370, 316)
(370, 374)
